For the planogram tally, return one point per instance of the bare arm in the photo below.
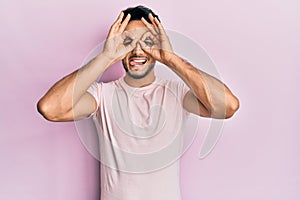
(68, 99)
(208, 96)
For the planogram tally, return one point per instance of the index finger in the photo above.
(160, 26)
(124, 23)
(116, 24)
(157, 23)
(119, 19)
(149, 26)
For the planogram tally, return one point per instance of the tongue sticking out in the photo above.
(137, 62)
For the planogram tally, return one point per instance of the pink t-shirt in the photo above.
(140, 138)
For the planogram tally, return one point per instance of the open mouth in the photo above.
(137, 61)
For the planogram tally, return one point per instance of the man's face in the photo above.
(137, 63)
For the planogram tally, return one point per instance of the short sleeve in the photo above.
(94, 90)
(184, 90)
(179, 88)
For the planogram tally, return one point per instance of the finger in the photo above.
(160, 26)
(153, 23)
(149, 26)
(127, 34)
(115, 26)
(132, 45)
(127, 38)
(124, 23)
(151, 36)
(145, 47)
(149, 50)
(119, 19)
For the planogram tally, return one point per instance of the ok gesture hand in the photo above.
(114, 47)
(156, 42)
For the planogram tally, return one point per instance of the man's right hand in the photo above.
(115, 47)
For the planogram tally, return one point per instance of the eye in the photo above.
(127, 41)
(148, 41)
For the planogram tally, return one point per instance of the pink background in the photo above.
(255, 45)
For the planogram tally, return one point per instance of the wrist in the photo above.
(105, 59)
(171, 60)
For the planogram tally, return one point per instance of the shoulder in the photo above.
(109, 84)
(168, 82)
(172, 83)
(177, 87)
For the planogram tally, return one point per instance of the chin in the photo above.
(133, 67)
(139, 75)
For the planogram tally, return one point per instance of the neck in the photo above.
(139, 82)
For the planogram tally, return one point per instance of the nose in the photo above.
(138, 49)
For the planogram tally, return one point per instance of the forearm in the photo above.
(88, 74)
(211, 92)
(64, 94)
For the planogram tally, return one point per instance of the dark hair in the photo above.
(138, 12)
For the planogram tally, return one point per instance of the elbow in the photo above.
(227, 110)
(232, 106)
(47, 111)
(44, 110)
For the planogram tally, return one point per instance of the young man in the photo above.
(140, 116)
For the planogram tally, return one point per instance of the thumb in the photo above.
(145, 47)
(132, 45)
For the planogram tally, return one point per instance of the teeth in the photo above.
(139, 60)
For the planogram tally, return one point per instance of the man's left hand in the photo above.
(156, 42)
